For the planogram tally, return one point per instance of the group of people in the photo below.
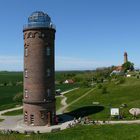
(82, 121)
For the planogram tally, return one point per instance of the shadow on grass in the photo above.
(80, 112)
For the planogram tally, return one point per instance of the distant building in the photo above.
(118, 70)
(128, 75)
(39, 88)
(125, 57)
(68, 81)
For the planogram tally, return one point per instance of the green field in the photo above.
(71, 96)
(127, 93)
(92, 132)
(7, 92)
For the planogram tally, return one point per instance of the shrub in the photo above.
(18, 97)
(104, 90)
(99, 86)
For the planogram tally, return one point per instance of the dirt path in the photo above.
(65, 105)
(12, 109)
(63, 101)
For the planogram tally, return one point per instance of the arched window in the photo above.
(30, 35)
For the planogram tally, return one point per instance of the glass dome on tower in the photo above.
(39, 19)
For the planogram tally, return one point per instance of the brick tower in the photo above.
(125, 57)
(39, 89)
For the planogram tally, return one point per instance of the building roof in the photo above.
(118, 68)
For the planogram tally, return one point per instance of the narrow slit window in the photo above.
(32, 119)
(26, 73)
(26, 51)
(26, 93)
(48, 51)
(49, 92)
(48, 72)
(25, 116)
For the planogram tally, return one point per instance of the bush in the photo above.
(18, 97)
(99, 86)
(104, 90)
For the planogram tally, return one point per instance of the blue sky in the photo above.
(90, 33)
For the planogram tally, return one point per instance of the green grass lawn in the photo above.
(13, 113)
(73, 95)
(92, 132)
(8, 92)
(1, 120)
(11, 76)
(58, 102)
(65, 87)
(127, 93)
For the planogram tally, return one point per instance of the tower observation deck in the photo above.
(39, 19)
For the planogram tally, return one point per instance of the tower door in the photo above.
(49, 118)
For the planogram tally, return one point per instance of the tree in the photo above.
(18, 97)
(104, 90)
(128, 66)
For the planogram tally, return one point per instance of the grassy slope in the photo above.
(73, 95)
(104, 132)
(65, 87)
(128, 93)
(58, 102)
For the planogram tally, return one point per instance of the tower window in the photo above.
(26, 51)
(43, 35)
(32, 119)
(48, 72)
(42, 115)
(30, 35)
(26, 73)
(48, 92)
(26, 93)
(25, 117)
(48, 51)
